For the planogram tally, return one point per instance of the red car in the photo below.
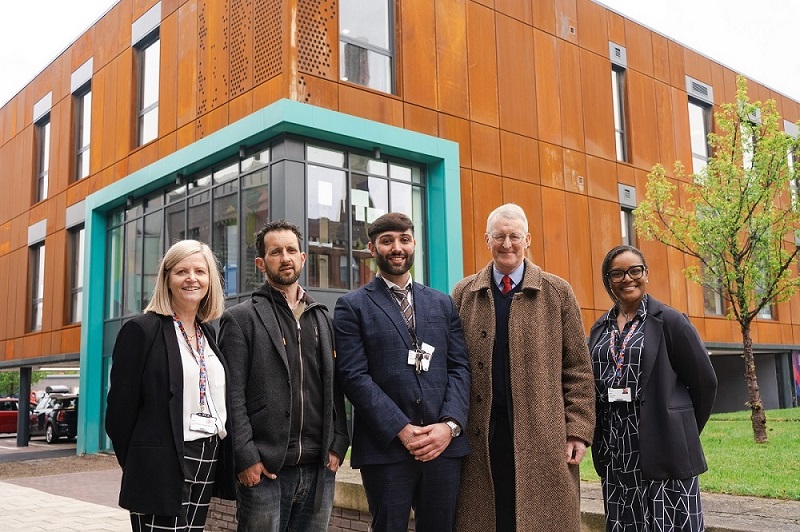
(9, 407)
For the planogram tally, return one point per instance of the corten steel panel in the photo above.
(567, 20)
(212, 121)
(593, 27)
(167, 144)
(543, 13)
(31, 345)
(720, 329)
(680, 131)
(485, 143)
(588, 317)
(60, 147)
(268, 42)
(579, 250)
(674, 266)
(554, 232)
(212, 56)
(140, 7)
(718, 83)
(170, 6)
(730, 86)
(616, 28)
(487, 3)
(140, 158)
(519, 157)
(516, 79)
(468, 227)
(601, 178)
(639, 48)
(606, 234)
(457, 130)
(19, 292)
(186, 110)
(241, 46)
(168, 86)
(370, 105)
(4, 287)
(108, 32)
(663, 126)
(318, 91)
(270, 91)
(575, 171)
(418, 44)
(55, 340)
(451, 58)
(57, 220)
(317, 37)
(697, 66)
(482, 67)
(241, 106)
(529, 197)
(186, 135)
(487, 195)
(571, 95)
(56, 271)
(518, 9)
(98, 115)
(61, 76)
(642, 121)
(124, 121)
(71, 340)
(547, 87)
(551, 165)
(598, 111)
(661, 69)
(677, 72)
(420, 119)
(108, 129)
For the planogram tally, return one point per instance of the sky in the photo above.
(759, 42)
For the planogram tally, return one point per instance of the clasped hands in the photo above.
(425, 443)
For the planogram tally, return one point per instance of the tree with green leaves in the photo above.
(9, 381)
(738, 222)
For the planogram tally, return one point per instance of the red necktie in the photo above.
(506, 284)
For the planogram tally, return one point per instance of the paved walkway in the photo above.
(88, 501)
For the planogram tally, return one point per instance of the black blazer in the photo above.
(678, 386)
(144, 418)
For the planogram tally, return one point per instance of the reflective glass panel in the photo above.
(327, 226)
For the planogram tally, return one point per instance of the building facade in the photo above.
(203, 119)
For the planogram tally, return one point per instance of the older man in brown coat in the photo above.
(531, 411)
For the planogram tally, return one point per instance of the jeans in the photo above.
(287, 503)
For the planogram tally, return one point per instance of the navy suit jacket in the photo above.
(372, 344)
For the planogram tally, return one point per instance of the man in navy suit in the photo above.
(402, 362)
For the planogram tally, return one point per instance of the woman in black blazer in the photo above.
(655, 387)
(166, 412)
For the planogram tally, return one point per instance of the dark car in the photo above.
(9, 409)
(56, 416)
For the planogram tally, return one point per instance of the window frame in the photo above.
(707, 116)
(83, 128)
(43, 128)
(36, 271)
(144, 111)
(75, 270)
(390, 52)
(618, 91)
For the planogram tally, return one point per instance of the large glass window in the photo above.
(626, 224)
(36, 286)
(148, 54)
(618, 98)
(699, 128)
(366, 43)
(75, 295)
(42, 157)
(83, 131)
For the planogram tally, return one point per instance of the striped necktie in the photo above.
(405, 306)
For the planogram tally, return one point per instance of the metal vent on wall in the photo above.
(267, 40)
(316, 30)
(627, 196)
(697, 89)
(241, 46)
(617, 54)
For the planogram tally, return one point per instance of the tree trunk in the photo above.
(758, 417)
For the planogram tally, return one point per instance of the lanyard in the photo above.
(201, 359)
(619, 355)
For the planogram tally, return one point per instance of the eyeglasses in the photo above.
(634, 272)
(500, 238)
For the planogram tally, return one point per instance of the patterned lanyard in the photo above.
(201, 358)
(619, 355)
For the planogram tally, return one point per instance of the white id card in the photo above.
(619, 395)
(412, 357)
(427, 354)
(203, 423)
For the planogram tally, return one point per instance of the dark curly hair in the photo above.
(276, 225)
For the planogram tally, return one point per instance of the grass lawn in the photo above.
(738, 466)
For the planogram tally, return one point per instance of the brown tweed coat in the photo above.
(552, 394)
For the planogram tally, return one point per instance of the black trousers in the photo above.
(501, 455)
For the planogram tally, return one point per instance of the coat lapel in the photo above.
(653, 334)
(378, 292)
(263, 308)
(175, 369)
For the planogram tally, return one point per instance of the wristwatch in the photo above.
(455, 429)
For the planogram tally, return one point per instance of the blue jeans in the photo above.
(287, 503)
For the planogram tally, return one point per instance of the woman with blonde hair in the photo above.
(167, 415)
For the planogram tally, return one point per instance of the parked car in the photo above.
(56, 416)
(9, 410)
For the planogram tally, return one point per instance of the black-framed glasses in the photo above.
(634, 272)
(500, 238)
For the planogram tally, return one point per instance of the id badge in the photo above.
(427, 353)
(616, 395)
(412, 357)
(203, 423)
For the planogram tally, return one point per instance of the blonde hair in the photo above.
(213, 303)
